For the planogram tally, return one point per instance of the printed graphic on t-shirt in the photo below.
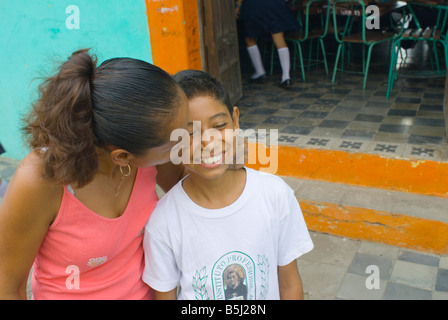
(233, 277)
(95, 262)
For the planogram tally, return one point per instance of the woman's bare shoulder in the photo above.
(31, 165)
(30, 189)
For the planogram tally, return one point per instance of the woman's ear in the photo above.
(121, 157)
(236, 117)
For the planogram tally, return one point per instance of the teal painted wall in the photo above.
(34, 38)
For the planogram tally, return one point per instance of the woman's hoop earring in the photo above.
(127, 173)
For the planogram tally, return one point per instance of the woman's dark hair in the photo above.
(199, 83)
(125, 103)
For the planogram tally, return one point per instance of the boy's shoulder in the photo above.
(165, 199)
(268, 181)
(165, 208)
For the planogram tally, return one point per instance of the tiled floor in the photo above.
(344, 269)
(317, 114)
(343, 116)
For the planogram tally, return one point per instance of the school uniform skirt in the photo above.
(263, 17)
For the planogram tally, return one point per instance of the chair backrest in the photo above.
(319, 8)
(349, 8)
(440, 26)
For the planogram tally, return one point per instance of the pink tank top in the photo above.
(88, 256)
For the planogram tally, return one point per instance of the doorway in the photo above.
(220, 44)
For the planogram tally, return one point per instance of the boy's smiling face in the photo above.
(216, 150)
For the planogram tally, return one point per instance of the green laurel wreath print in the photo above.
(198, 283)
(263, 264)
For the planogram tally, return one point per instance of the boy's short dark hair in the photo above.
(197, 83)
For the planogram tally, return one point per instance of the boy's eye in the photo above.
(221, 126)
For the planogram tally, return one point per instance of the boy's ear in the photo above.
(236, 117)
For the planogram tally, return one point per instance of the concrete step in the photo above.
(409, 220)
(401, 201)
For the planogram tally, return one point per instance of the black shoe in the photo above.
(285, 84)
(260, 79)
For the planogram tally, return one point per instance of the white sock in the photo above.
(255, 57)
(3, 186)
(283, 54)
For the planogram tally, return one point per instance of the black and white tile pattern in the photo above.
(345, 117)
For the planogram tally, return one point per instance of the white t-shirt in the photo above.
(227, 253)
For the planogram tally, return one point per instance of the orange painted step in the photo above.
(377, 226)
(360, 169)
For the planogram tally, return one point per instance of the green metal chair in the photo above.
(437, 34)
(313, 8)
(367, 38)
(432, 35)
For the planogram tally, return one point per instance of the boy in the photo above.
(219, 233)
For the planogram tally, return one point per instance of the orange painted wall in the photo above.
(174, 33)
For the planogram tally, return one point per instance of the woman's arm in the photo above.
(27, 210)
(290, 283)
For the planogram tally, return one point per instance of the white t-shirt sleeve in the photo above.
(294, 238)
(161, 272)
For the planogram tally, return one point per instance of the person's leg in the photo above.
(283, 54)
(279, 40)
(255, 57)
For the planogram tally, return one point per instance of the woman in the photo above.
(78, 202)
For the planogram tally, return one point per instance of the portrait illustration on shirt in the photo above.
(234, 283)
